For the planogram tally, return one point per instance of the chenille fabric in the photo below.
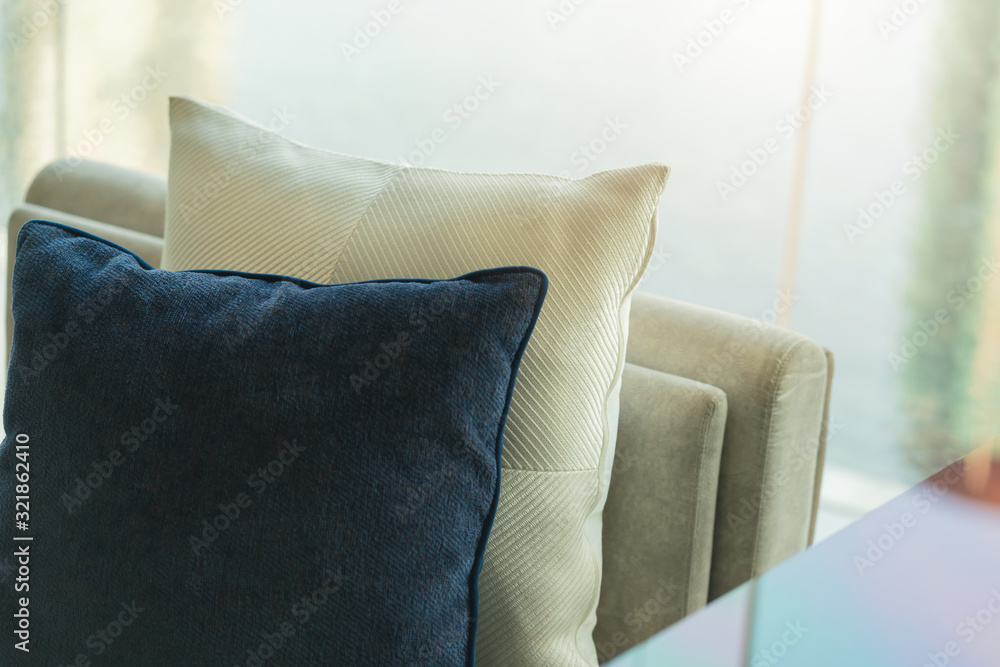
(238, 469)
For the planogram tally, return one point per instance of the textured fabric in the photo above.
(244, 469)
(240, 197)
(661, 507)
(690, 323)
(149, 247)
(776, 384)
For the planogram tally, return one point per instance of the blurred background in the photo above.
(836, 166)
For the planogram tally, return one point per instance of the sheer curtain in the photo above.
(703, 87)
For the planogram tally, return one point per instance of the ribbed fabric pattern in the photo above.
(329, 192)
(332, 218)
(554, 573)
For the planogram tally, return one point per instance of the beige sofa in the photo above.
(720, 443)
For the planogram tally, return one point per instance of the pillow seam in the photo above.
(357, 223)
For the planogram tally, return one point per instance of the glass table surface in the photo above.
(914, 583)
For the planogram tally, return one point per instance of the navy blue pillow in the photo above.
(219, 468)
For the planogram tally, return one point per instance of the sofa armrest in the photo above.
(660, 513)
(99, 191)
(776, 385)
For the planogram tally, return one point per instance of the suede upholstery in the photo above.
(776, 386)
(661, 575)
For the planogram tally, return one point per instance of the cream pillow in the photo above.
(243, 198)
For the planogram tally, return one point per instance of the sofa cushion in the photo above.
(242, 197)
(233, 468)
(661, 507)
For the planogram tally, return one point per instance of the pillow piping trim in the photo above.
(477, 565)
(275, 277)
(480, 553)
